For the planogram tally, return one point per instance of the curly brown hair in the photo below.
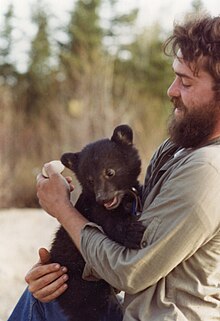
(198, 39)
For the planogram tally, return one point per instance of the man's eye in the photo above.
(186, 85)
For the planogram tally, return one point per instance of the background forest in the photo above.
(102, 73)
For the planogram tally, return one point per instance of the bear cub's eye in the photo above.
(110, 172)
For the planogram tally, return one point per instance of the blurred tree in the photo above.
(40, 90)
(36, 128)
(38, 75)
(8, 72)
(84, 39)
(85, 66)
(119, 27)
(146, 66)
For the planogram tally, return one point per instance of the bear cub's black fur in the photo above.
(108, 172)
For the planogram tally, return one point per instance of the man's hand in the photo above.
(54, 192)
(54, 197)
(46, 280)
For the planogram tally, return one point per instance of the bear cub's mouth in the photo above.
(113, 202)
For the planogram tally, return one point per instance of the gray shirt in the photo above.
(176, 273)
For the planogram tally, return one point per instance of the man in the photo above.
(176, 273)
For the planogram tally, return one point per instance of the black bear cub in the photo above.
(108, 172)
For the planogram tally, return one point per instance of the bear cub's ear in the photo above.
(70, 160)
(123, 134)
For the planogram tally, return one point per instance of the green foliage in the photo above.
(119, 28)
(6, 35)
(84, 39)
(40, 47)
(7, 69)
(147, 68)
(35, 85)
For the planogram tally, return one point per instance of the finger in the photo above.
(44, 256)
(44, 281)
(50, 169)
(72, 187)
(53, 295)
(40, 271)
(69, 179)
(52, 290)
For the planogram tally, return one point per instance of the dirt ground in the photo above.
(23, 232)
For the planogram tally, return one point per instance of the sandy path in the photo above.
(23, 232)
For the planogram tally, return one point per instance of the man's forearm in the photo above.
(73, 222)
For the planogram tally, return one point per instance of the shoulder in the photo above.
(197, 172)
(208, 155)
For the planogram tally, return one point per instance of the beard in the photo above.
(195, 126)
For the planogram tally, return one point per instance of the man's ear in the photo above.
(123, 134)
(70, 160)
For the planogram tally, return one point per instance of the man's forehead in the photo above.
(180, 67)
(192, 68)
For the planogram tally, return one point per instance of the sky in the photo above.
(167, 11)
(164, 11)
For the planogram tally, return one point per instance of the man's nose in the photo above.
(173, 90)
